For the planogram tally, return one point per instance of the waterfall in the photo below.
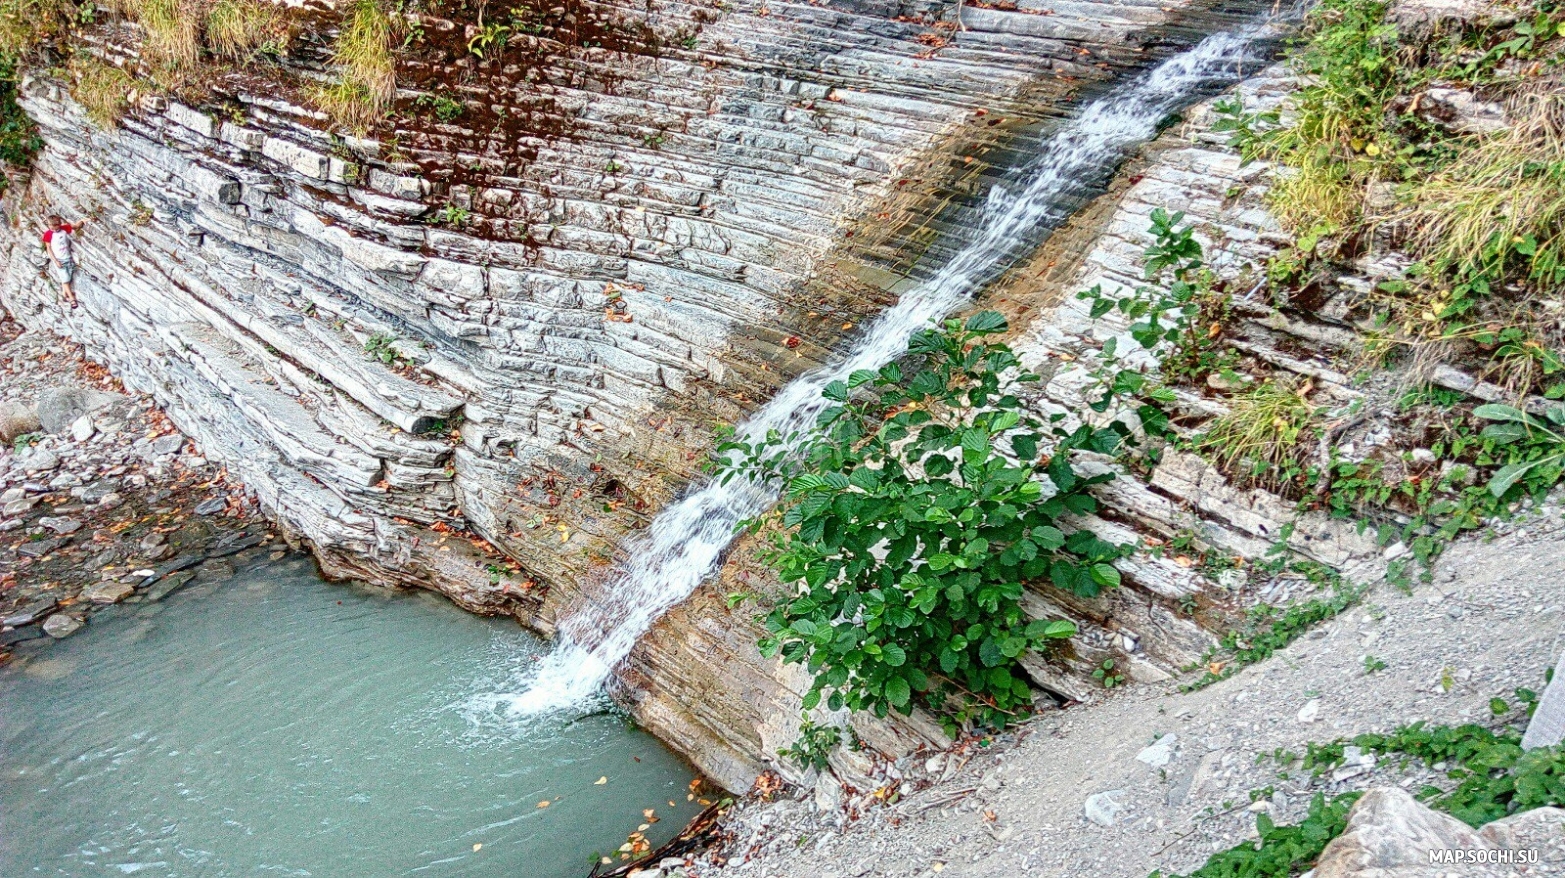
(686, 542)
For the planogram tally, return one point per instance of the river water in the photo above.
(276, 725)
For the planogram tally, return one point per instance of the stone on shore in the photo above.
(61, 625)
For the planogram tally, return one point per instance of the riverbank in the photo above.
(1083, 791)
(102, 499)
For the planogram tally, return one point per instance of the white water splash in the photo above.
(687, 540)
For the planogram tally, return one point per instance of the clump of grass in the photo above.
(25, 25)
(237, 30)
(1502, 205)
(1262, 434)
(102, 89)
(367, 83)
(172, 30)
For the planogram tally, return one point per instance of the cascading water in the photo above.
(687, 540)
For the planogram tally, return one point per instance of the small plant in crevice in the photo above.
(913, 514)
(1106, 674)
(445, 107)
(382, 346)
(452, 214)
(813, 746)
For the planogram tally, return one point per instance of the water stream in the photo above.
(686, 542)
(274, 724)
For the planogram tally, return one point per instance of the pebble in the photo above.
(1103, 808)
(111, 592)
(60, 524)
(1160, 753)
(82, 429)
(209, 507)
(61, 625)
(1310, 711)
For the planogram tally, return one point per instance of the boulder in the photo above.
(59, 408)
(16, 419)
(1392, 835)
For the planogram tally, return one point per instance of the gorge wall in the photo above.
(476, 360)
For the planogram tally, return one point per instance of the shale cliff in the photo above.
(474, 356)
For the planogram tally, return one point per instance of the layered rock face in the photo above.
(447, 361)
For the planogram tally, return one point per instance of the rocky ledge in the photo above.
(103, 499)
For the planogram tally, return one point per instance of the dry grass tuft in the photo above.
(1505, 197)
(367, 85)
(102, 89)
(1262, 435)
(237, 30)
(171, 28)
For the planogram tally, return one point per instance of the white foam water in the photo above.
(686, 542)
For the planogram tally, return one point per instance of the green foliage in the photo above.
(1284, 850)
(492, 36)
(19, 139)
(1175, 322)
(28, 25)
(813, 746)
(914, 512)
(1537, 447)
(1494, 776)
(21, 442)
(1373, 665)
(383, 347)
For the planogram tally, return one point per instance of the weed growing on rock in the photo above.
(102, 89)
(367, 83)
(813, 746)
(1263, 434)
(912, 516)
(171, 28)
(238, 30)
(383, 347)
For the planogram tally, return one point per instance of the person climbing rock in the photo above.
(60, 241)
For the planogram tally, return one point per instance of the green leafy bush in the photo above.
(1284, 850)
(914, 512)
